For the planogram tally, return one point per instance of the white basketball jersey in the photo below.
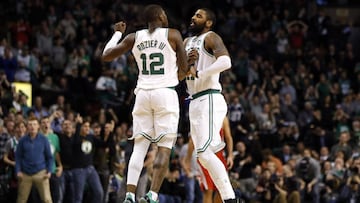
(195, 85)
(155, 58)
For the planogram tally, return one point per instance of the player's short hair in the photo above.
(210, 15)
(152, 12)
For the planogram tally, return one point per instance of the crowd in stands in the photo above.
(293, 93)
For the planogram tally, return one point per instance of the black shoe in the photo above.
(237, 200)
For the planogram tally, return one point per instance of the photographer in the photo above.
(270, 188)
(308, 170)
(350, 191)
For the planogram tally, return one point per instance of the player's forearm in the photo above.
(221, 64)
(111, 44)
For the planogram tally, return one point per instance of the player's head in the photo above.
(155, 13)
(204, 19)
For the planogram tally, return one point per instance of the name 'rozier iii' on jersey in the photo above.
(150, 44)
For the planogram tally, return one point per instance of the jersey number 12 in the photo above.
(156, 60)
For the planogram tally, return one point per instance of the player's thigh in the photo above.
(142, 113)
(166, 111)
(206, 115)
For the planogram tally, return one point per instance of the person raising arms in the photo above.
(161, 58)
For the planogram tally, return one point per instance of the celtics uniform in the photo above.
(207, 108)
(156, 109)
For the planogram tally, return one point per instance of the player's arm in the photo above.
(176, 42)
(215, 45)
(229, 143)
(187, 158)
(112, 49)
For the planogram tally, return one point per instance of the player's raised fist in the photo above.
(120, 26)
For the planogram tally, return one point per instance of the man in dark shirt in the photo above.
(33, 163)
(83, 168)
(105, 153)
(243, 167)
(66, 145)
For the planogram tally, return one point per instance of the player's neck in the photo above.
(202, 32)
(154, 26)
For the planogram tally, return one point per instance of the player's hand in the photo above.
(20, 175)
(78, 119)
(187, 165)
(120, 26)
(192, 71)
(47, 175)
(193, 55)
(229, 162)
(59, 171)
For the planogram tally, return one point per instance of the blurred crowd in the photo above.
(293, 91)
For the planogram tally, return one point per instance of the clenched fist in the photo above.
(120, 26)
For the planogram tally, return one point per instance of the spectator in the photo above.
(306, 116)
(9, 158)
(350, 191)
(23, 57)
(236, 112)
(286, 154)
(267, 126)
(323, 87)
(282, 42)
(191, 174)
(29, 173)
(292, 185)
(66, 154)
(58, 57)
(22, 30)
(68, 26)
(288, 109)
(60, 104)
(288, 88)
(55, 179)
(82, 163)
(309, 171)
(48, 85)
(297, 33)
(9, 64)
(44, 39)
(104, 157)
(106, 88)
(243, 171)
(4, 137)
(269, 157)
(39, 110)
(270, 188)
(324, 155)
(172, 189)
(343, 145)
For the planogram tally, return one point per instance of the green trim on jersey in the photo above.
(211, 119)
(148, 137)
(202, 93)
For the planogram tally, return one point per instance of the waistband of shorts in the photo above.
(202, 93)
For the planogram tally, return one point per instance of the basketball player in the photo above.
(159, 52)
(208, 108)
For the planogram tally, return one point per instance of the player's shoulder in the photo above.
(212, 35)
(173, 31)
(174, 34)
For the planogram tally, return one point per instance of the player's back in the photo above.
(155, 58)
